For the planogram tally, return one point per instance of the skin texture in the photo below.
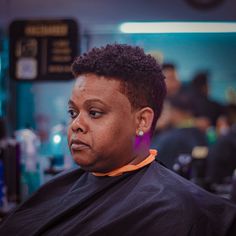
(102, 133)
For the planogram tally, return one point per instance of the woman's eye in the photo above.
(95, 114)
(72, 113)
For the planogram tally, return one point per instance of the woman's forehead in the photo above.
(92, 87)
(91, 83)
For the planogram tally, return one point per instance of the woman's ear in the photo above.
(144, 119)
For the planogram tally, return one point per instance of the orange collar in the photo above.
(128, 168)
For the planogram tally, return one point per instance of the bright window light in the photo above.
(178, 27)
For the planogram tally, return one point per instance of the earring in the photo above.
(140, 133)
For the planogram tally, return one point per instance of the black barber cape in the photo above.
(150, 201)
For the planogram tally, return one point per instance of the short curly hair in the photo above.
(140, 75)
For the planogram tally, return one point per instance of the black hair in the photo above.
(140, 75)
(168, 66)
(182, 102)
(230, 111)
(200, 80)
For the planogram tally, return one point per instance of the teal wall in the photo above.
(25, 105)
(3, 73)
(215, 53)
(44, 103)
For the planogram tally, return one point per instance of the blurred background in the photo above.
(40, 39)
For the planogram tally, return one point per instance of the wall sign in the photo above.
(43, 49)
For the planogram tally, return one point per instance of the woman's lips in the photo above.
(76, 146)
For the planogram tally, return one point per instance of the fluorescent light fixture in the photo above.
(178, 27)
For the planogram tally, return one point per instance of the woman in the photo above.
(119, 188)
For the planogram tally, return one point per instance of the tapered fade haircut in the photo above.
(141, 77)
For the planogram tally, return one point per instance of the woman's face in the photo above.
(102, 128)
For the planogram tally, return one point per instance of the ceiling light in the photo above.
(178, 27)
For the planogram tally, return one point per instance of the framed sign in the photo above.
(43, 49)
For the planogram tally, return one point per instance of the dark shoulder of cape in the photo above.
(150, 201)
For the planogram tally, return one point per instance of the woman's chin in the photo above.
(84, 161)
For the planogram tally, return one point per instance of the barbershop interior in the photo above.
(195, 43)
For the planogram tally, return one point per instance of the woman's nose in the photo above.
(78, 124)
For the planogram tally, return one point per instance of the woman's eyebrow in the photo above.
(89, 102)
(96, 101)
(71, 103)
